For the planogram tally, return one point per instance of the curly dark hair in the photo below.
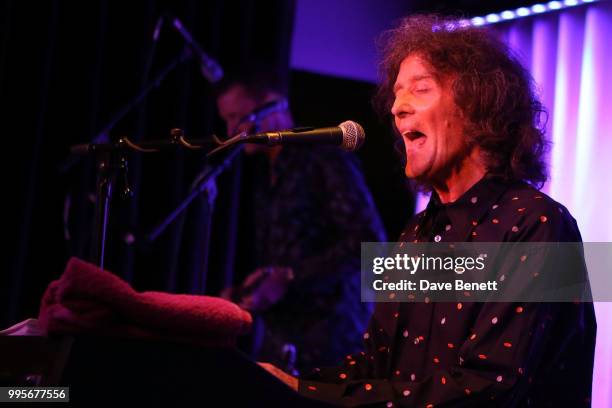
(491, 87)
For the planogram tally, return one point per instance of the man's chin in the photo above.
(412, 173)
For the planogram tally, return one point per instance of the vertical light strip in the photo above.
(567, 91)
(587, 108)
(543, 64)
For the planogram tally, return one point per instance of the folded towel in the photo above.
(89, 300)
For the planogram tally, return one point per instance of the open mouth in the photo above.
(415, 136)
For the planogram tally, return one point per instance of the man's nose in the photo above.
(401, 107)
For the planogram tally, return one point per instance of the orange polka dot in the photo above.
(406, 393)
(450, 345)
(368, 387)
(495, 221)
(482, 356)
(436, 360)
(443, 380)
(523, 258)
(507, 344)
(473, 336)
(353, 362)
(474, 223)
(467, 391)
(474, 233)
(312, 388)
(429, 406)
(396, 315)
(521, 209)
(343, 376)
(519, 309)
(514, 198)
(515, 229)
(543, 218)
(397, 372)
(459, 306)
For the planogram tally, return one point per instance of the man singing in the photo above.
(468, 116)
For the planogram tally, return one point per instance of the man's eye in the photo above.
(422, 90)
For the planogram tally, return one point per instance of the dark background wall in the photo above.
(66, 68)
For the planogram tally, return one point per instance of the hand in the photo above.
(265, 287)
(290, 380)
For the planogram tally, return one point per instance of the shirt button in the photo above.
(437, 238)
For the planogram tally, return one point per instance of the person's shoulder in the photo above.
(535, 215)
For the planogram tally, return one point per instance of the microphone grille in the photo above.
(353, 135)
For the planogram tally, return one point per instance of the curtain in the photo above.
(66, 68)
(568, 54)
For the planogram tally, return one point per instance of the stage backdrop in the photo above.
(569, 56)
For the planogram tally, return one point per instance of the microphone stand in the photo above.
(204, 183)
(108, 165)
(111, 161)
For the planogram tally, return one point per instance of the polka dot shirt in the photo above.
(424, 354)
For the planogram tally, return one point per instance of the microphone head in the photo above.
(353, 135)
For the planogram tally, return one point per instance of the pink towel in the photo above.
(88, 300)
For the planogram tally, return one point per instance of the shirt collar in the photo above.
(472, 206)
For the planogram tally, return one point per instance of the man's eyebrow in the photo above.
(414, 78)
(420, 77)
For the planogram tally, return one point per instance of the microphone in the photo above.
(259, 113)
(210, 68)
(348, 135)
